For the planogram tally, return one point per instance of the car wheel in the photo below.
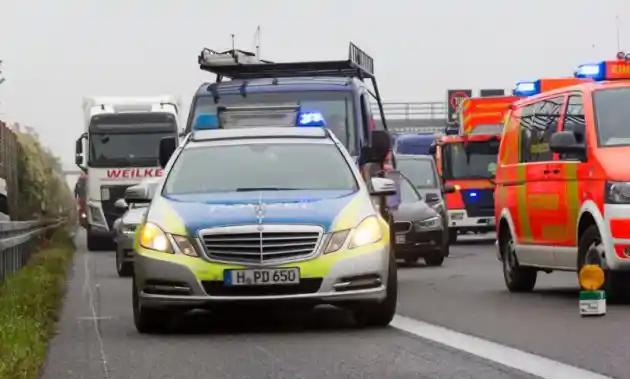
(411, 260)
(124, 269)
(435, 259)
(517, 278)
(380, 314)
(591, 251)
(149, 320)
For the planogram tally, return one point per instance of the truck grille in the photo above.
(274, 244)
(480, 206)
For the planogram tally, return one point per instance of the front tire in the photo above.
(380, 314)
(517, 278)
(148, 320)
(591, 251)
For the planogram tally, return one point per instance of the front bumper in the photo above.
(419, 243)
(176, 280)
(458, 219)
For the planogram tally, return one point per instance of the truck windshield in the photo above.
(335, 106)
(128, 140)
(474, 160)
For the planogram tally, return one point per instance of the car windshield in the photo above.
(420, 172)
(128, 140)
(335, 106)
(474, 160)
(612, 113)
(259, 165)
(414, 145)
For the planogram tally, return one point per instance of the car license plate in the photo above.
(400, 238)
(261, 277)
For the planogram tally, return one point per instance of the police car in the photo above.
(271, 214)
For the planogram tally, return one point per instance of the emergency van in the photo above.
(563, 193)
(467, 162)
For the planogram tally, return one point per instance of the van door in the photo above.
(564, 173)
(542, 200)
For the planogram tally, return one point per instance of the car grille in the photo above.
(275, 243)
(481, 205)
(306, 285)
(402, 226)
(110, 211)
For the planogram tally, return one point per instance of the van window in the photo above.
(612, 116)
(541, 121)
(574, 122)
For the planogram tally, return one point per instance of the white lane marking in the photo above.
(95, 315)
(542, 367)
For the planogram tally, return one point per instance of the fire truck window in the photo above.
(540, 125)
(612, 112)
(574, 122)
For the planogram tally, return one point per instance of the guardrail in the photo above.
(412, 110)
(17, 242)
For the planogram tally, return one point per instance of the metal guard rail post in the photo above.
(16, 242)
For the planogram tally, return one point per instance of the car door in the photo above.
(565, 171)
(542, 199)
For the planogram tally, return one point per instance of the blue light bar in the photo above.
(206, 121)
(605, 70)
(309, 119)
(595, 71)
(527, 88)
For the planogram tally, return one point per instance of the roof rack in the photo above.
(239, 64)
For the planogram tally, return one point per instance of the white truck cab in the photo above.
(122, 137)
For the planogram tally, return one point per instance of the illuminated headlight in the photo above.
(617, 192)
(152, 237)
(83, 215)
(367, 232)
(429, 223)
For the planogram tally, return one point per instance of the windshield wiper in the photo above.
(251, 189)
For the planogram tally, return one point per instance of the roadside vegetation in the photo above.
(30, 301)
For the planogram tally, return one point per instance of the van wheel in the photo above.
(591, 251)
(148, 320)
(517, 278)
(380, 314)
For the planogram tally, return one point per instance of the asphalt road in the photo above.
(468, 295)
(97, 340)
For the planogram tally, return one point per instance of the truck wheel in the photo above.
(591, 251)
(452, 235)
(380, 314)
(517, 278)
(148, 320)
(94, 243)
(435, 259)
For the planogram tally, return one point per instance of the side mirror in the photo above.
(565, 143)
(78, 150)
(138, 194)
(167, 148)
(121, 204)
(431, 198)
(383, 187)
(449, 188)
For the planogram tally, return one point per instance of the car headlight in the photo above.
(153, 238)
(184, 245)
(617, 192)
(367, 232)
(429, 223)
(336, 241)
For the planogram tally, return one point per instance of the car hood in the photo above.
(193, 212)
(417, 211)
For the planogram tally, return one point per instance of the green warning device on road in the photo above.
(592, 298)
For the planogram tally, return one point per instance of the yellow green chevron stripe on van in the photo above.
(522, 206)
(572, 199)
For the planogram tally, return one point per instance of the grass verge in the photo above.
(29, 304)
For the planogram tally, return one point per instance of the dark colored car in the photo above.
(420, 230)
(423, 174)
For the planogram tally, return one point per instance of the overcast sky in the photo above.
(56, 52)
